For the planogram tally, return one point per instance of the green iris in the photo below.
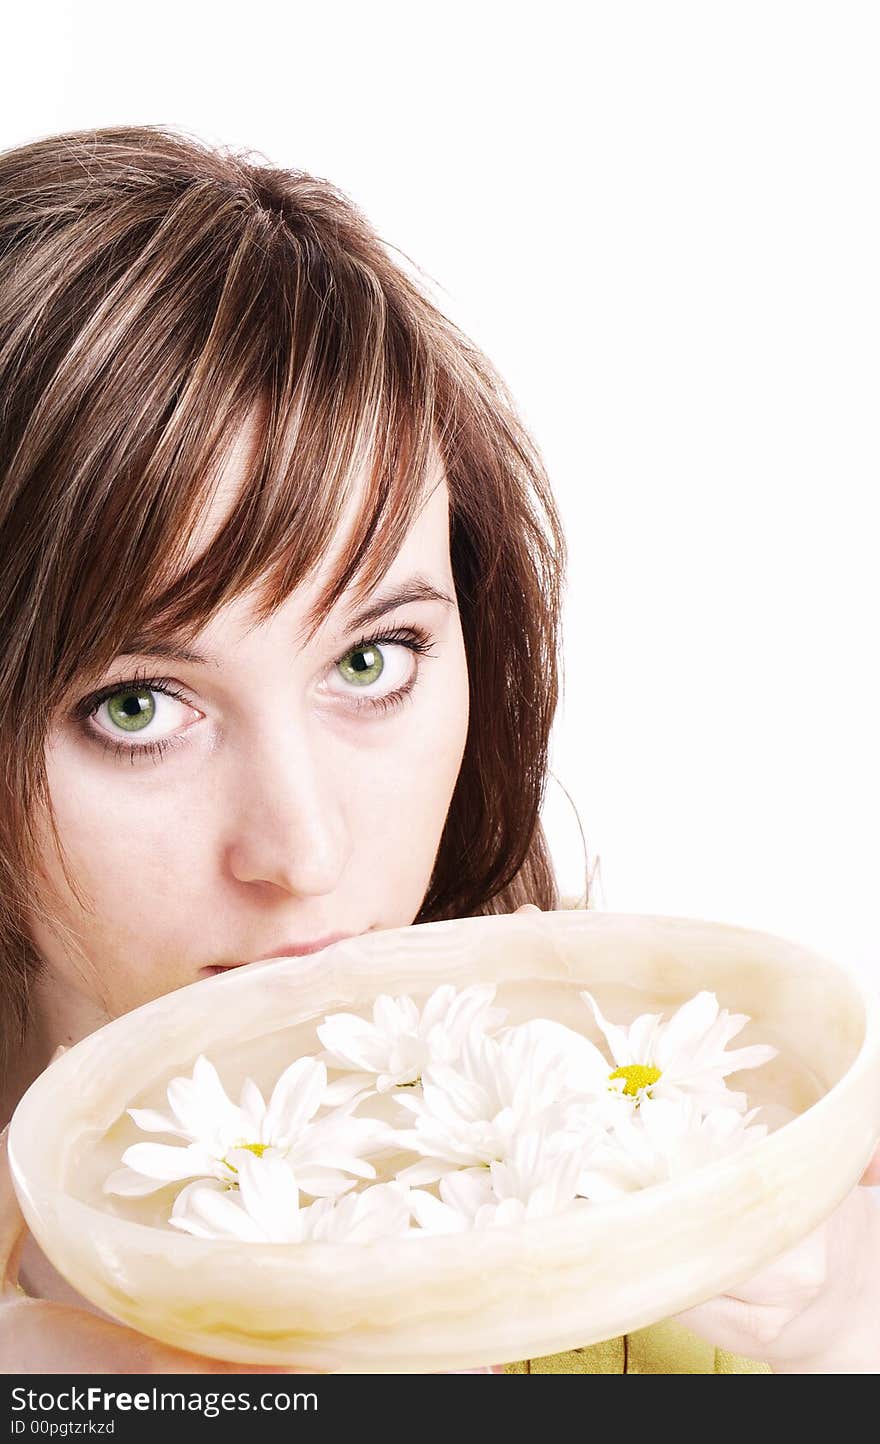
(369, 669)
(132, 711)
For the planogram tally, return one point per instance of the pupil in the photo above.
(364, 663)
(132, 710)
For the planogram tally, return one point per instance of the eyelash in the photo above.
(414, 637)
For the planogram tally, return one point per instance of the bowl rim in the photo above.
(36, 1182)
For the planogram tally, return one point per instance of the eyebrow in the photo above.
(415, 589)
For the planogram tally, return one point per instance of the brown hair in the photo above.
(153, 292)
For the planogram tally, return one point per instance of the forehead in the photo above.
(425, 548)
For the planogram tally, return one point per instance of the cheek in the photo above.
(129, 862)
(427, 758)
(121, 845)
(400, 816)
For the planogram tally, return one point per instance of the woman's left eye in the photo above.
(372, 658)
(132, 706)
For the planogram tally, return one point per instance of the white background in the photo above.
(661, 221)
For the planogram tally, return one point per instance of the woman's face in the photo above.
(280, 812)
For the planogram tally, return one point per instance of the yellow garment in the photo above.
(664, 1348)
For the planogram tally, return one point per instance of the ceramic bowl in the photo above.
(442, 1303)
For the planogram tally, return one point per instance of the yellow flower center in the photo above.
(637, 1076)
(258, 1149)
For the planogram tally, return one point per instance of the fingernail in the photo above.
(58, 1051)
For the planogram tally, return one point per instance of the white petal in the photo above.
(616, 1037)
(429, 1170)
(308, 1158)
(437, 1008)
(127, 1183)
(395, 1015)
(199, 1119)
(207, 1080)
(268, 1191)
(185, 1223)
(434, 1216)
(165, 1162)
(352, 1042)
(687, 1027)
(509, 1211)
(642, 1035)
(153, 1122)
(704, 1090)
(712, 1046)
(467, 1189)
(339, 1135)
(403, 1072)
(296, 1097)
(413, 1102)
(252, 1104)
(188, 1107)
(605, 1184)
(584, 1067)
(751, 1057)
(181, 1202)
(348, 1087)
(666, 1120)
(448, 1094)
(378, 1212)
(321, 1182)
(216, 1212)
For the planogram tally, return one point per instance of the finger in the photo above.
(871, 1176)
(12, 1224)
(734, 1324)
(45, 1337)
(793, 1277)
(528, 908)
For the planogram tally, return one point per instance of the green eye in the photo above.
(367, 667)
(132, 711)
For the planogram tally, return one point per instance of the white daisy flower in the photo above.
(471, 1114)
(379, 1211)
(265, 1208)
(539, 1177)
(323, 1152)
(394, 1049)
(463, 1194)
(684, 1058)
(211, 1208)
(665, 1138)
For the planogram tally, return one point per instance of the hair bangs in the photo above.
(370, 456)
(330, 392)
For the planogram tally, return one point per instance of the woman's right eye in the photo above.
(131, 708)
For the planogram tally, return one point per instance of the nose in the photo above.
(289, 822)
